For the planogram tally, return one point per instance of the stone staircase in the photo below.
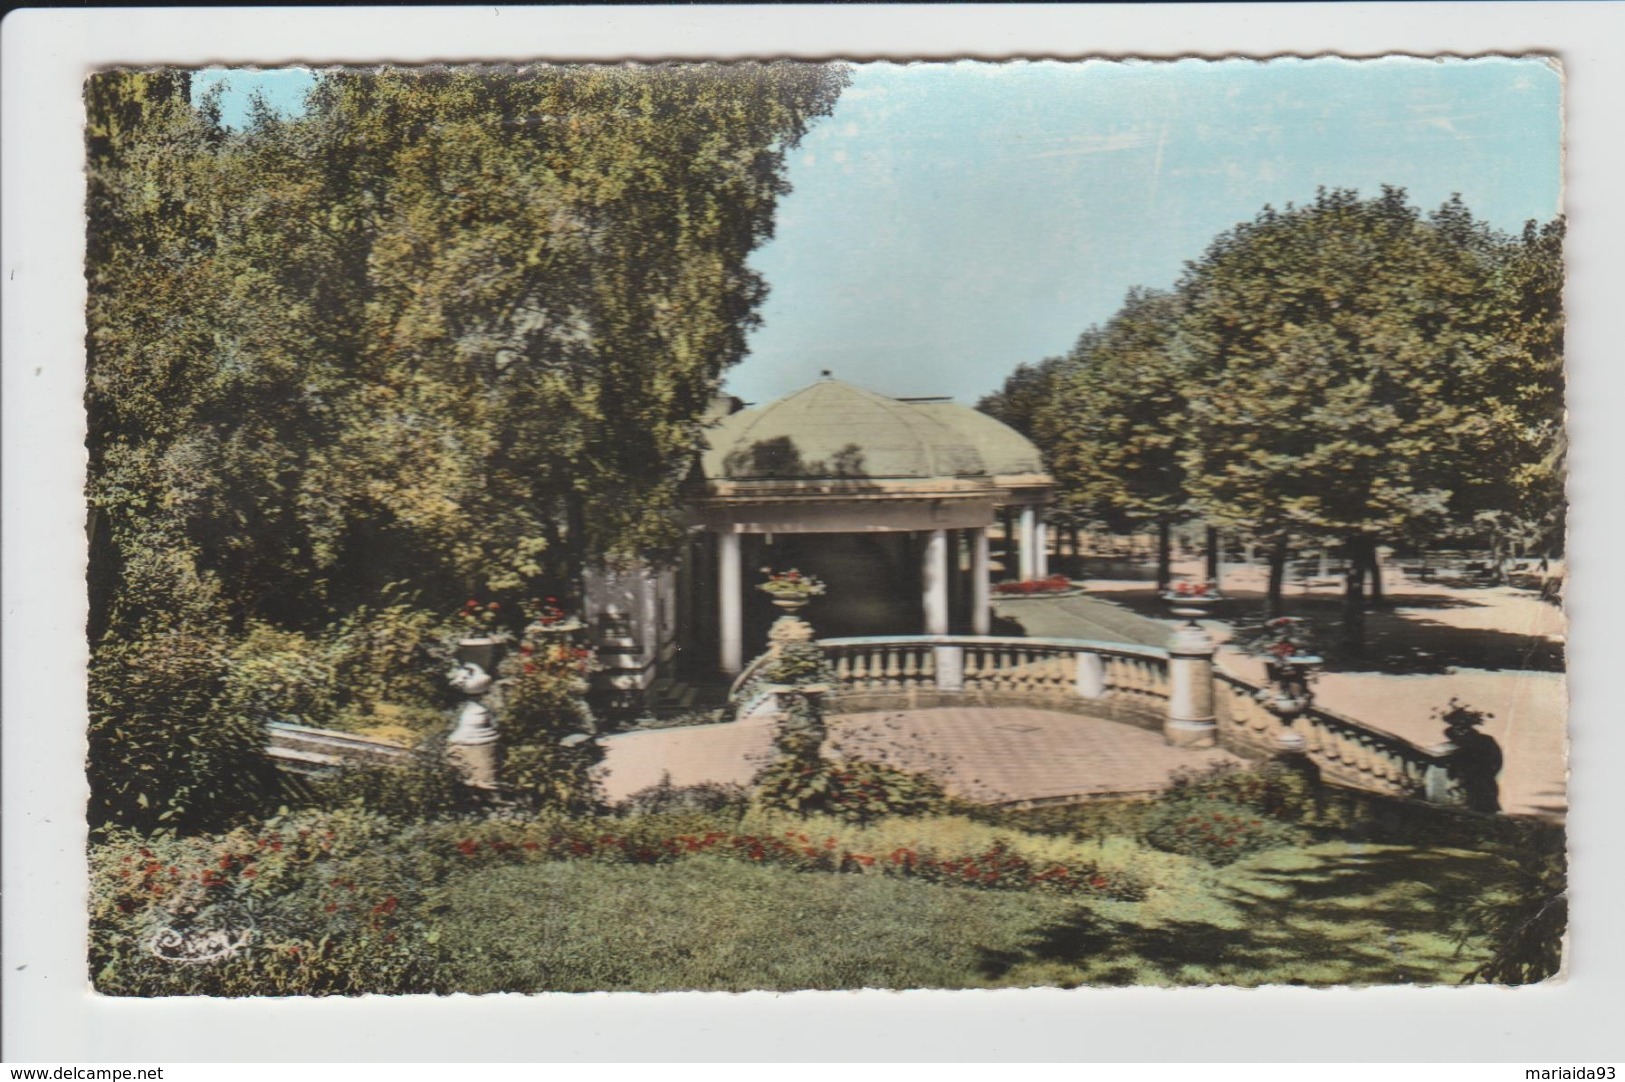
(301, 749)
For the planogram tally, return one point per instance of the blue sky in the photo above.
(950, 221)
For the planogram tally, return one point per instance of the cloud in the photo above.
(1080, 145)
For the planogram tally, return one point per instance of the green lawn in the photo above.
(1335, 913)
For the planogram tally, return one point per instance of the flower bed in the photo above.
(1055, 585)
(996, 865)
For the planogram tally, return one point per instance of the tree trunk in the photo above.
(1164, 555)
(1213, 554)
(1378, 600)
(1272, 599)
(1354, 594)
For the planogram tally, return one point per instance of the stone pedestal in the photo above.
(471, 746)
(1190, 722)
(476, 763)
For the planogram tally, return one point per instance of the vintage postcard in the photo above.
(788, 525)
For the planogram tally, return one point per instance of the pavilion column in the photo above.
(1040, 548)
(730, 618)
(1029, 539)
(934, 582)
(981, 574)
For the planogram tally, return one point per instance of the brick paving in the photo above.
(978, 753)
(1018, 753)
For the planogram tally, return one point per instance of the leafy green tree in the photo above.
(447, 332)
(1114, 429)
(1351, 357)
(1026, 394)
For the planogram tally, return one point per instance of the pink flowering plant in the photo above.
(478, 620)
(1054, 584)
(791, 585)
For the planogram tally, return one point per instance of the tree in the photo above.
(1026, 394)
(449, 331)
(1114, 429)
(1351, 357)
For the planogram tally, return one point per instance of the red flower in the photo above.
(386, 907)
(468, 847)
(249, 873)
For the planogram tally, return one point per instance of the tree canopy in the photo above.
(451, 326)
(447, 332)
(1349, 370)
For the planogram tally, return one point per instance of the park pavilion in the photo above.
(888, 500)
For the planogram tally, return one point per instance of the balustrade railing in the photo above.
(1346, 751)
(1116, 680)
(1108, 675)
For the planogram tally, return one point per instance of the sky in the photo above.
(950, 221)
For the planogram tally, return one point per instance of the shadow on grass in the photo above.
(1398, 639)
(1382, 917)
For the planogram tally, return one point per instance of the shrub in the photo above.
(164, 751)
(855, 792)
(1216, 831)
(1523, 918)
(390, 655)
(427, 787)
(962, 854)
(664, 798)
(281, 675)
(1270, 789)
(318, 904)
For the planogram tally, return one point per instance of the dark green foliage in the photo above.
(1270, 789)
(1523, 917)
(428, 787)
(1351, 370)
(857, 792)
(449, 331)
(665, 798)
(1217, 831)
(165, 749)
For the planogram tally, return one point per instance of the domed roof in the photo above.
(1004, 450)
(833, 430)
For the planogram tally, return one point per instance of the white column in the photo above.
(1040, 548)
(1029, 538)
(981, 572)
(934, 582)
(731, 652)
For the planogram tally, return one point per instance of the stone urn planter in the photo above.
(1289, 696)
(482, 650)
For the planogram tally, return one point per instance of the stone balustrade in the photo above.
(1114, 680)
(1134, 684)
(1347, 751)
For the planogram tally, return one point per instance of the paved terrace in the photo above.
(986, 755)
(1024, 754)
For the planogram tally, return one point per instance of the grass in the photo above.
(1330, 914)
